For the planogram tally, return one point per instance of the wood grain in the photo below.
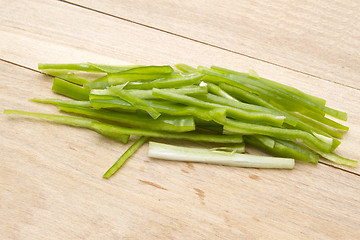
(50, 179)
(77, 40)
(51, 185)
(308, 36)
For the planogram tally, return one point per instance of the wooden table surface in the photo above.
(51, 175)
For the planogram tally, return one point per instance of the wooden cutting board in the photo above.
(51, 175)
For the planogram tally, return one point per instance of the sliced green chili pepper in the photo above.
(129, 152)
(163, 123)
(70, 90)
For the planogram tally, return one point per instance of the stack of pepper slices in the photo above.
(218, 105)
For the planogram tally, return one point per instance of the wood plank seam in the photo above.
(35, 70)
(202, 42)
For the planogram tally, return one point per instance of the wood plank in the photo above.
(51, 185)
(312, 37)
(76, 39)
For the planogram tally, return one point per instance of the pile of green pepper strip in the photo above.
(198, 104)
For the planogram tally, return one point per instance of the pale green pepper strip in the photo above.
(238, 148)
(102, 128)
(275, 96)
(234, 112)
(120, 78)
(166, 69)
(117, 131)
(70, 90)
(140, 74)
(69, 66)
(176, 82)
(293, 135)
(192, 90)
(179, 110)
(110, 102)
(252, 98)
(309, 100)
(129, 152)
(163, 123)
(135, 101)
(187, 90)
(247, 107)
(86, 67)
(113, 68)
(68, 76)
(324, 129)
(338, 159)
(73, 103)
(282, 148)
(214, 89)
(185, 68)
(97, 84)
(273, 84)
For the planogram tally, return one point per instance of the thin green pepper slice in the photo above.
(70, 90)
(233, 112)
(293, 135)
(135, 101)
(86, 67)
(104, 129)
(175, 82)
(276, 85)
(185, 68)
(68, 76)
(282, 148)
(163, 123)
(129, 152)
(72, 103)
(117, 132)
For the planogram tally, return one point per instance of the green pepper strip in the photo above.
(248, 107)
(102, 128)
(69, 66)
(97, 84)
(336, 113)
(72, 103)
(251, 98)
(310, 101)
(112, 68)
(215, 79)
(68, 76)
(166, 69)
(177, 82)
(147, 94)
(120, 78)
(338, 159)
(276, 85)
(129, 152)
(111, 102)
(70, 90)
(233, 112)
(117, 131)
(86, 67)
(282, 148)
(293, 135)
(324, 129)
(238, 148)
(140, 74)
(214, 89)
(185, 68)
(135, 101)
(274, 96)
(179, 110)
(163, 123)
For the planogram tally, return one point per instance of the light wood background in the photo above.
(50, 175)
